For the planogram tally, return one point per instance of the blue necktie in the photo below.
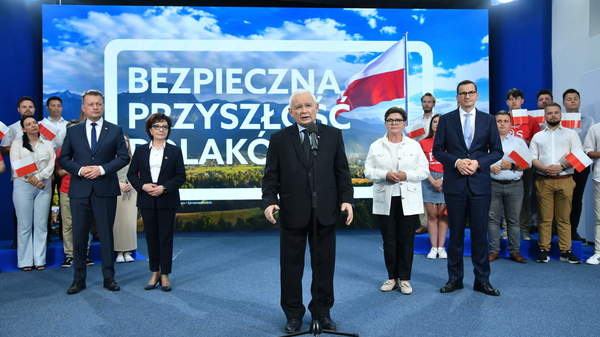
(94, 136)
(467, 130)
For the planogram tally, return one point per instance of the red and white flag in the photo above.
(3, 130)
(520, 116)
(571, 120)
(381, 80)
(538, 115)
(578, 159)
(48, 130)
(415, 130)
(24, 166)
(521, 156)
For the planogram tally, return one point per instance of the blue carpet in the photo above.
(227, 284)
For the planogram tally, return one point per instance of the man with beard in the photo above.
(554, 185)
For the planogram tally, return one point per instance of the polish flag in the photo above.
(520, 116)
(578, 159)
(521, 156)
(3, 130)
(24, 166)
(571, 120)
(415, 130)
(538, 115)
(48, 130)
(381, 80)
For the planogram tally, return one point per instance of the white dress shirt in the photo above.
(550, 146)
(592, 143)
(43, 155)
(509, 144)
(156, 156)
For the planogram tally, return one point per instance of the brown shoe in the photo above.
(517, 257)
(421, 230)
(493, 256)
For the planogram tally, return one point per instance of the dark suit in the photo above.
(158, 213)
(286, 183)
(467, 196)
(97, 197)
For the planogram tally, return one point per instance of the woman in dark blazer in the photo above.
(156, 172)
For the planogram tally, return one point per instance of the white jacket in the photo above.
(412, 161)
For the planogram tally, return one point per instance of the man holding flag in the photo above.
(580, 124)
(554, 184)
(507, 190)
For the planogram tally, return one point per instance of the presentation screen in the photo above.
(225, 75)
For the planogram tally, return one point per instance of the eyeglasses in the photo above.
(160, 127)
(394, 121)
(465, 93)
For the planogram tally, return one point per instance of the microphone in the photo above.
(312, 130)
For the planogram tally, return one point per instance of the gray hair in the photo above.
(300, 92)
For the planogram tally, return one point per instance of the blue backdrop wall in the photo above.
(520, 56)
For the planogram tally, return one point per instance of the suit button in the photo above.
(309, 174)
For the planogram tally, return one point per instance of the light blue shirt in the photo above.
(509, 144)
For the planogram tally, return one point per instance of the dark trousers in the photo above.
(159, 225)
(292, 252)
(103, 210)
(580, 179)
(476, 208)
(398, 234)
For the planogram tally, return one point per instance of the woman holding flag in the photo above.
(32, 161)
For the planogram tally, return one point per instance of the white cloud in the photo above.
(420, 18)
(369, 13)
(485, 42)
(388, 30)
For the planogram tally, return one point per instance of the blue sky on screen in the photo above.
(74, 39)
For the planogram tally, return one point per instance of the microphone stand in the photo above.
(315, 327)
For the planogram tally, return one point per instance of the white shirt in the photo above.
(509, 144)
(426, 122)
(43, 156)
(62, 130)
(592, 143)
(14, 131)
(156, 156)
(549, 146)
(395, 163)
(463, 118)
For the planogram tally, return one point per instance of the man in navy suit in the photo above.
(93, 151)
(286, 188)
(467, 143)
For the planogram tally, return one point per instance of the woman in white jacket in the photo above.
(396, 165)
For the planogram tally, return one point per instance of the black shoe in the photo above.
(451, 285)
(111, 284)
(152, 286)
(67, 262)
(14, 245)
(166, 288)
(293, 325)
(77, 286)
(576, 237)
(568, 256)
(328, 324)
(543, 256)
(89, 262)
(486, 288)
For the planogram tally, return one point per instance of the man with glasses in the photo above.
(93, 151)
(467, 143)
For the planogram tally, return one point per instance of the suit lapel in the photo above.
(479, 126)
(295, 135)
(103, 135)
(167, 155)
(457, 124)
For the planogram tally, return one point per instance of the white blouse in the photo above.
(43, 156)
